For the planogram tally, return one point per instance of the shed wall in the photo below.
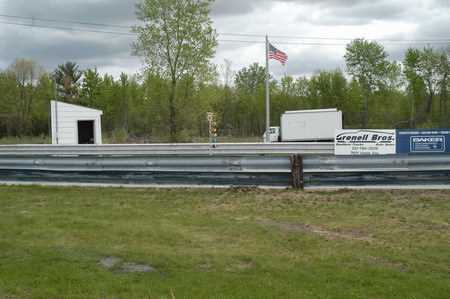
(65, 122)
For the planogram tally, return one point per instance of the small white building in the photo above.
(72, 124)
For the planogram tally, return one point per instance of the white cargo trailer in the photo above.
(307, 125)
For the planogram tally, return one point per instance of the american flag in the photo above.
(276, 54)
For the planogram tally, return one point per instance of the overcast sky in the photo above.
(403, 21)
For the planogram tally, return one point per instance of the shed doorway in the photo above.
(86, 132)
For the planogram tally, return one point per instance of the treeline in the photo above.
(413, 93)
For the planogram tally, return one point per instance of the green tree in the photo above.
(286, 98)
(328, 88)
(302, 87)
(444, 71)
(251, 78)
(26, 73)
(8, 101)
(352, 110)
(249, 83)
(91, 88)
(368, 64)
(124, 103)
(428, 69)
(108, 102)
(416, 85)
(226, 101)
(176, 39)
(137, 108)
(67, 77)
(44, 92)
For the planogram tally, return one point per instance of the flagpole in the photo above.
(56, 114)
(267, 91)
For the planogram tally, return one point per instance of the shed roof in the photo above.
(77, 107)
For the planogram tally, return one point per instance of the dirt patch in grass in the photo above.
(205, 267)
(111, 263)
(387, 263)
(240, 190)
(241, 266)
(136, 268)
(353, 235)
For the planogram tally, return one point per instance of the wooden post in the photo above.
(302, 174)
(298, 180)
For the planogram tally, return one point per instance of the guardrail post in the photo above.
(298, 181)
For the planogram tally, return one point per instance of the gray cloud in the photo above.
(356, 12)
(239, 7)
(234, 7)
(428, 19)
(113, 11)
(51, 48)
(311, 60)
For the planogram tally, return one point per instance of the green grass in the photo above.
(111, 139)
(224, 243)
(25, 140)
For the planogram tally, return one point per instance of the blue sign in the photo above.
(423, 141)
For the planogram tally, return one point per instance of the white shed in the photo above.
(72, 124)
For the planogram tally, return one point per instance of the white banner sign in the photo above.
(365, 142)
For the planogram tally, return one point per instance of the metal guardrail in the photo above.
(224, 165)
(372, 171)
(170, 149)
(394, 163)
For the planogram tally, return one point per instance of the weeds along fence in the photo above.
(295, 165)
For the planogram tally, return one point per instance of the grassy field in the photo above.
(57, 243)
(25, 140)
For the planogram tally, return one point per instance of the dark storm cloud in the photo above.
(112, 11)
(51, 47)
(362, 13)
(235, 7)
(239, 7)
(337, 13)
(312, 60)
(333, 12)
